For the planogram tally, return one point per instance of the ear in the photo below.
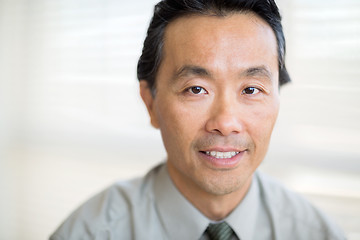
(147, 97)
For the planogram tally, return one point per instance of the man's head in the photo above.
(217, 97)
(167, 11)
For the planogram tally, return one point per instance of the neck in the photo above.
(214, 207)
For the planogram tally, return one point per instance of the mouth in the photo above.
(221, 155)
(222, 158)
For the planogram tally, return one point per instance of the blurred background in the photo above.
(71, 120)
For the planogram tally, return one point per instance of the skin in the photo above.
(216, 90)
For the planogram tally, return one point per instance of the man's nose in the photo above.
(225, 117)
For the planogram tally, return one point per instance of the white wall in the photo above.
(71, 120)
(11, 108)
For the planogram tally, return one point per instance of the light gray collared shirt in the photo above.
(152, 208)
(183, 221)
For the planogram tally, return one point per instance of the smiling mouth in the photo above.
(220, 155)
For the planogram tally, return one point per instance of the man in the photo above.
(209, 76)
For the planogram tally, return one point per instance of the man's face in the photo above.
(216, 100)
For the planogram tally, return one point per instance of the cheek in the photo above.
(179, 124)
(262, 124)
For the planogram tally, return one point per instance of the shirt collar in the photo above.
(243, 218)
(181, 220)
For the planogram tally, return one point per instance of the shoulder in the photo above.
(292, 213)
(107, 210)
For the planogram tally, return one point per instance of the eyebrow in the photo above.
(193, 70)
(260, 71)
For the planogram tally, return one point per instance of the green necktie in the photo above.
(219, 231)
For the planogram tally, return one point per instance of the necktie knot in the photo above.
(219, 231)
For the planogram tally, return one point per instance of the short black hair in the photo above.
(169, 10)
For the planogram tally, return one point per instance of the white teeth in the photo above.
(222, 154)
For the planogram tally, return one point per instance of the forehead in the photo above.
(236, 21)
(219, 38)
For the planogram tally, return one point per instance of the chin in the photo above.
(221, 185)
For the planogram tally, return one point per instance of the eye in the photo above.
(250, 91)
(197, 90)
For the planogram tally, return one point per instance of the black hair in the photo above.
(169, 10)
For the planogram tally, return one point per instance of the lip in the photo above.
(222, 149)
(222, 163)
